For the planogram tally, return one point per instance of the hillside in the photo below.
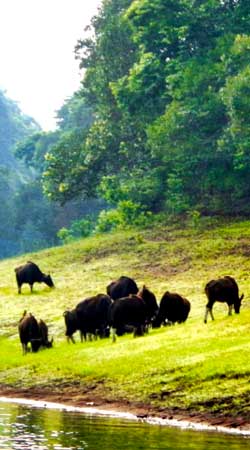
(14, 127)
(15, 177)
(189, 368)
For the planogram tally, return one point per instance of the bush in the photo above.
(64, 235)
(125, 215)
(78, 229)
(108, 221)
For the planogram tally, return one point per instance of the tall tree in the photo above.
(166, 82)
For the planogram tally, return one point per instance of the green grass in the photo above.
(191, 366)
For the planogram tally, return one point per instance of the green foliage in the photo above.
(108, 221)
(74, 114)
(162, 116)
(114, 142)
(235, 96)
(31, 239)
(127, 214)
(65, 174)
(64, 235)
(168, 83)
(140, 186)
(33, 149)
(35, 220)
(14, 127)
(194, 218)
(24, 215)
(79, 229)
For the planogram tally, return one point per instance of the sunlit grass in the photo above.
(190, 365)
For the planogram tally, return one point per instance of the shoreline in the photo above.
(73, 402)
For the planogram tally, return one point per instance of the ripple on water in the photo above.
(26, 424)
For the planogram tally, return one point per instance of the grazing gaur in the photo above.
(122, 287)
(30, 273)
(223, 290)
(90, 317)
(135, 311)
(173, 308)
(33, 332)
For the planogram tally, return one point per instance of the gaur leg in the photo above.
(138, 330)
(89, 337)
(208, 310)
(19, 284)
(211, 313)
(31, 287)
(25, 349)
(230, 309)
(206, 314)
(82, 336)
(70, 338)
(113, 334)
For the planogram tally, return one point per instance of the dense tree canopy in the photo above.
(162, 117)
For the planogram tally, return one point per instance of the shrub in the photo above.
(108, 221)
(78, 229)
(125, 215)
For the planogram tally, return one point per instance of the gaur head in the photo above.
(237, 304)
(49, 344)
(70, 322)
(35, 344)
(156, 322)
(48, 280)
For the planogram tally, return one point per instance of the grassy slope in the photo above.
(192, 366)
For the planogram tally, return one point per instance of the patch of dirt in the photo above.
(72, 394)
(241, 248)
(162, 269)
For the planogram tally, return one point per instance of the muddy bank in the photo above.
(71, 397)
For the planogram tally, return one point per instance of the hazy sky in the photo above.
(37, 64)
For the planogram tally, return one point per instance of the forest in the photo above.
(160, 124)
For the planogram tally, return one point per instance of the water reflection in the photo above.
(24, 427)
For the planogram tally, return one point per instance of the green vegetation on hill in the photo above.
(28, 220)
(191, 366)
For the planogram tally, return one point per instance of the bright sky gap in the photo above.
(37, 40)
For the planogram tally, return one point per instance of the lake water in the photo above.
(42, 428)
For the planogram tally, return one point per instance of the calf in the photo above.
(30, 273)
(223, 290)
(30, 331)
(173, 308)
(122, 287)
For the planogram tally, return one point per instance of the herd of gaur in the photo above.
(124, 308)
